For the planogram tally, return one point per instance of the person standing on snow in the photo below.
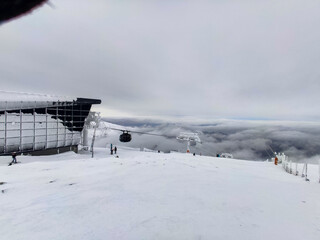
(115, 150)
(14, 158)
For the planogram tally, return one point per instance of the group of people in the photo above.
(113, 150)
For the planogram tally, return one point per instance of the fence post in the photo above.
(5, 131)
(303, 169)
(319, 170)
(307, 172)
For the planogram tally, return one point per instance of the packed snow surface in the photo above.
(147, 195)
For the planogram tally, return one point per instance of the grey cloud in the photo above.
(251, 140)
(207, 59)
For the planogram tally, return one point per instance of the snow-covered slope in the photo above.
(147, 195)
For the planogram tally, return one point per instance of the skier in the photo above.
(115, 150)
(111, 149)
(14, 158)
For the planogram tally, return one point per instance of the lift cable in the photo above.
(145, 133)
(267, 153)
(273, 152)
(167, 136)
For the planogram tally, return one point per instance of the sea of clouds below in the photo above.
(251, 140)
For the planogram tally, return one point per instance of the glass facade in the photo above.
(31, 126)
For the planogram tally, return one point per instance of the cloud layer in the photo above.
(252, 140)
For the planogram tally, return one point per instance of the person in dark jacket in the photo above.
(14, 158)
(115, 150)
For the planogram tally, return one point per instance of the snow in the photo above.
(17, 100)
(148, 195)
(20, 96)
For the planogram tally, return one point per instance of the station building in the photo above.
(41, 124)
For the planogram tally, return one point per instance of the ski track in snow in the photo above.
(147, 195)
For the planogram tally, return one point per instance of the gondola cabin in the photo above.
(125, 137)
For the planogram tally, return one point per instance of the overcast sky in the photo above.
(171, 58)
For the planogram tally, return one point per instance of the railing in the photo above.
(293, 168)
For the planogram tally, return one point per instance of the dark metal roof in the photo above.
(89, 100)
(41, 103)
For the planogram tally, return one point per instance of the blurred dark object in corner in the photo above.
(10, 9)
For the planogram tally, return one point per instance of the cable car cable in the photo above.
(145, 133)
